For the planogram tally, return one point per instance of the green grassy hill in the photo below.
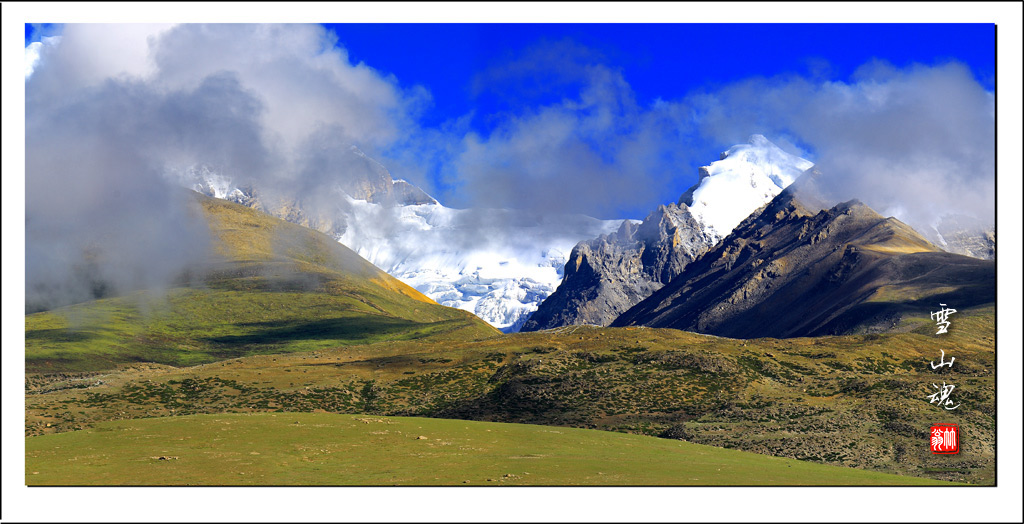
(329, 449)
(273, 287)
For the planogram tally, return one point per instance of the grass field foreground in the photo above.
(332, 449)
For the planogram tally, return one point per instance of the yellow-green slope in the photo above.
(272, 287)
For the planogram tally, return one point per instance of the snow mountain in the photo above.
(610, 274)
(499, 264)
(799, 268)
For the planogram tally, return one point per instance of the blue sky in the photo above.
(608, 120)
(658, 60)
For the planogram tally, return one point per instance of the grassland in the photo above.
(328, 449)
(856, 401)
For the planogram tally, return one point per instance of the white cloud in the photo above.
(917, 142)
(91, 53)
(596, 152)
(113, 107)
(304, 81)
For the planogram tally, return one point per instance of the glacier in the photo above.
(498, 264)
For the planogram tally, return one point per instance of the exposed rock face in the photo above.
(795, 269)
(965, 236)
(369, 180)
(606, 276)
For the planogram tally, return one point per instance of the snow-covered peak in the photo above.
(374, 166)
(745, 178)
(759, 140)
(406, 193)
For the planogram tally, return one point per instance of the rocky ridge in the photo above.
(799, 269)
(606, 276)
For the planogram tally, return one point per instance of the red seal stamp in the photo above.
(945, 439)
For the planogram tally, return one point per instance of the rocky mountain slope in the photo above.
(611, 273)
(606, 276)
(797, 269)
(964, 235)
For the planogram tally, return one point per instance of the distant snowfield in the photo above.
(498, 264)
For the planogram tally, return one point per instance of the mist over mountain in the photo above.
(964, 235)
(496, 263)
(916, 143)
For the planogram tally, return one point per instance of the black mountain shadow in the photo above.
(281, 331)
(59, 335)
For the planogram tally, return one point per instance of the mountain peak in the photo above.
(759, 140)
(795, 271)
(745, 178)
(608, 275)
